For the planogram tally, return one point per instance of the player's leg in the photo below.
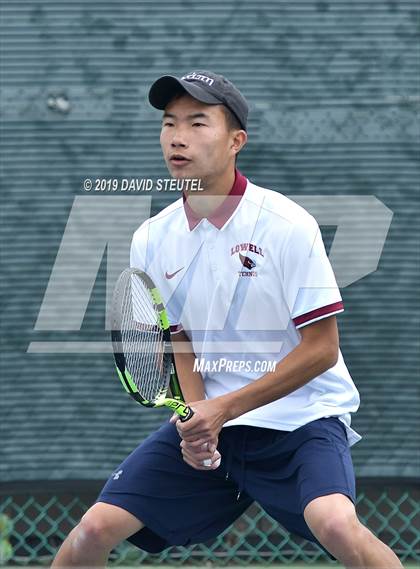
(310, 467)
(334, 522)
(101, 529)
(154, 484)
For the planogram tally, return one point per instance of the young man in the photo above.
(245, 278)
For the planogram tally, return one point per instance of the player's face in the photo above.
(195, 140)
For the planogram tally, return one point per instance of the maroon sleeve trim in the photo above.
(318, 313)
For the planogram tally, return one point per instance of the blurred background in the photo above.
(334, 93)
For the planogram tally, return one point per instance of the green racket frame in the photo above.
(175, 403)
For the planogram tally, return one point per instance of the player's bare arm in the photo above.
(192, 385)
(316, 353)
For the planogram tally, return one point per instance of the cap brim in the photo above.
(165, 88)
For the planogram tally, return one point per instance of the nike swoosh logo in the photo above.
(171, 275)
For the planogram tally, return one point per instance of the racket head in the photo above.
(141, 338)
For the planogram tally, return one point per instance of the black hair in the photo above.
(231, 119)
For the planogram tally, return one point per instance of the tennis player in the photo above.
(246, 281)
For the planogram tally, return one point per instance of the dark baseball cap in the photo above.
(205, 86)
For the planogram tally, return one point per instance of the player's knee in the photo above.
(338, 529)
(94, 533)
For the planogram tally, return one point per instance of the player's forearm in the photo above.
(191, 382)
(305, 362)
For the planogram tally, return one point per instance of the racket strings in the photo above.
(143, 340)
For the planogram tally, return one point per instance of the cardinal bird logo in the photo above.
(247, 262)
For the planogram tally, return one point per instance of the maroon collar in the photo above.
(219, 217)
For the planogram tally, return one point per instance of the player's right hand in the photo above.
(201, 455)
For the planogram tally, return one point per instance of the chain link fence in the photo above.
(33, 527)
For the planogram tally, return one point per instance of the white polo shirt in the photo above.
(241, 283)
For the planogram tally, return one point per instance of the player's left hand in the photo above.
(206, 423)
(202, 456)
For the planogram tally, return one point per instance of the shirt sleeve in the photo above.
(309, 283)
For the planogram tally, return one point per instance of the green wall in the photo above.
(334, 95)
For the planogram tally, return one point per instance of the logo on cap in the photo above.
(197, 77)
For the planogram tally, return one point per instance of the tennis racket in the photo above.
(142, 347)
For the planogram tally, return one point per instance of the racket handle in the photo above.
(188, 416)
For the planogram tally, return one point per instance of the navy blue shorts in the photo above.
(282, 471)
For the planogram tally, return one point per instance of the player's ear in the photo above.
(239, 140)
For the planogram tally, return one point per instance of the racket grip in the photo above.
(188, 416)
